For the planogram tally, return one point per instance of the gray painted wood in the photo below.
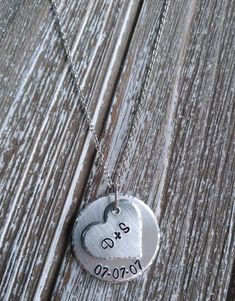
(182, 159)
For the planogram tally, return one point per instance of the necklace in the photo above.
(116, 237)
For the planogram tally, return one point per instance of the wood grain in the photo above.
(181, 162)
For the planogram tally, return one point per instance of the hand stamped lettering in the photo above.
(123, 227)
(107, 243)
(118, 273)
(118, 236)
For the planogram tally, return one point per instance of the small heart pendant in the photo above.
(116, 246)
(118, 235)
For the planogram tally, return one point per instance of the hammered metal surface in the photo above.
(117, 235)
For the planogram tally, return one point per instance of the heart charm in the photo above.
(118, 236)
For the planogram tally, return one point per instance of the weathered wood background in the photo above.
(182, 162)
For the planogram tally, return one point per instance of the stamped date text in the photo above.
(117, 273)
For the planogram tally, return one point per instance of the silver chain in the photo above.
(138, 108)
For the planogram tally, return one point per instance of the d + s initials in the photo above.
(109, 242)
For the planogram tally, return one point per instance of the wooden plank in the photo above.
(186, 135)
(43, 132)
(190, 117)
(231, 289)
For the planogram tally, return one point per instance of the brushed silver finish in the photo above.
(117, 235)
(116, 269)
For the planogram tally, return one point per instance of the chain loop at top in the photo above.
(113, 185)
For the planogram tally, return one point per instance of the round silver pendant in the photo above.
(115, 245)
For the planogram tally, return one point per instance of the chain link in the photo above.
(138, 105)
(81, 95)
